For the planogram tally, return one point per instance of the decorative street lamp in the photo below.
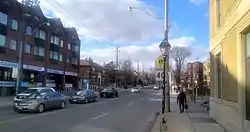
(24, 24)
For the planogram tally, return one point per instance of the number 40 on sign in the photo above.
(159, 75)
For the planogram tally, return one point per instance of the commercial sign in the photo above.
(7, 84)
(8, 64)
(70, 73)
(54, 71)
(35, 68)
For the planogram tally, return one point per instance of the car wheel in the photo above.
(62, 105)
(86, 101)
(40, 108)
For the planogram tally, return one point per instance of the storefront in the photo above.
(30, 73)
(8, 74)
(54, 79)
(71, 80)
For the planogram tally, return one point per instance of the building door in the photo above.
(247, 56)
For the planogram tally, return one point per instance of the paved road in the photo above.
(128, 113)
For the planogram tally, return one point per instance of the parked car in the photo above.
(109, 92)
(156, 88)
(29, 91)
(84, 96)
(38, 102)
(135, 90)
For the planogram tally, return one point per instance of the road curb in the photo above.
(150, 123)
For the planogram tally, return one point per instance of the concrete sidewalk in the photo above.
(195, 119)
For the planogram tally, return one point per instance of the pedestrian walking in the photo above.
(181, 101)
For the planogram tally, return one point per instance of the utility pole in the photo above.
(117, 65)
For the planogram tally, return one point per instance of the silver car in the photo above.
(38, 102)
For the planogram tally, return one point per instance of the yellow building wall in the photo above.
(229, 69)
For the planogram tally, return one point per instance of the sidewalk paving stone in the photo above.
(195, 119)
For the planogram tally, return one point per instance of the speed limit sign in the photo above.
(159, 75)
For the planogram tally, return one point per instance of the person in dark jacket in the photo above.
(181, 100)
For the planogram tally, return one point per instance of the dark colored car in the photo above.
(109, 92)
(84, 96)
(38, 102)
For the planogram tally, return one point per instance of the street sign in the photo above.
(159, 75)
(159, 62)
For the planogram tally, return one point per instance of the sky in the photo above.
(104, 24)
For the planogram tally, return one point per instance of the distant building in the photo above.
(93, 73)
(206, 73)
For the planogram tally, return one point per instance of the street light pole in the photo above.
(26, 3)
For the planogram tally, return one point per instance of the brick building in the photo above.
(51, 52)
(195, 74)
(92, 73)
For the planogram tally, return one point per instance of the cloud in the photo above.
(197, 2)
(145, 54)
(106, 19)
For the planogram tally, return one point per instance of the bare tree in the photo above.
(179, 55)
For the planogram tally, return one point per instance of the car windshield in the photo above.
(80, 93)
(31, 90)
(107, 89)
(34, 96)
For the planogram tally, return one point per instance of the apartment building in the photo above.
(206, 73)
(51, 52)
(195, 74)
(229, 56)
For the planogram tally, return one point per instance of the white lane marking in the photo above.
(129, 104)
(32, 116)
(100, 116)
(53, 112)
(142, 98)
(114, 99)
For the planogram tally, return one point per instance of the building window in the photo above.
(13, 44)
(61, 43)
(61, 57)
(68, 60)
(3, 18)
(69, 46)
(54, 55)
(247, 57)
(74, 61)
(75, 48)
(14, 24)
(27, 48)
(39, 51)
(40, 34)
(2, 40)
(218, 12)
(29, 30)
(218, 73)
(54, 40)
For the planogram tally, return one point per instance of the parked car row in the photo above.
(39, 99)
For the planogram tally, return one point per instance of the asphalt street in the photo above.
(130, 112)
